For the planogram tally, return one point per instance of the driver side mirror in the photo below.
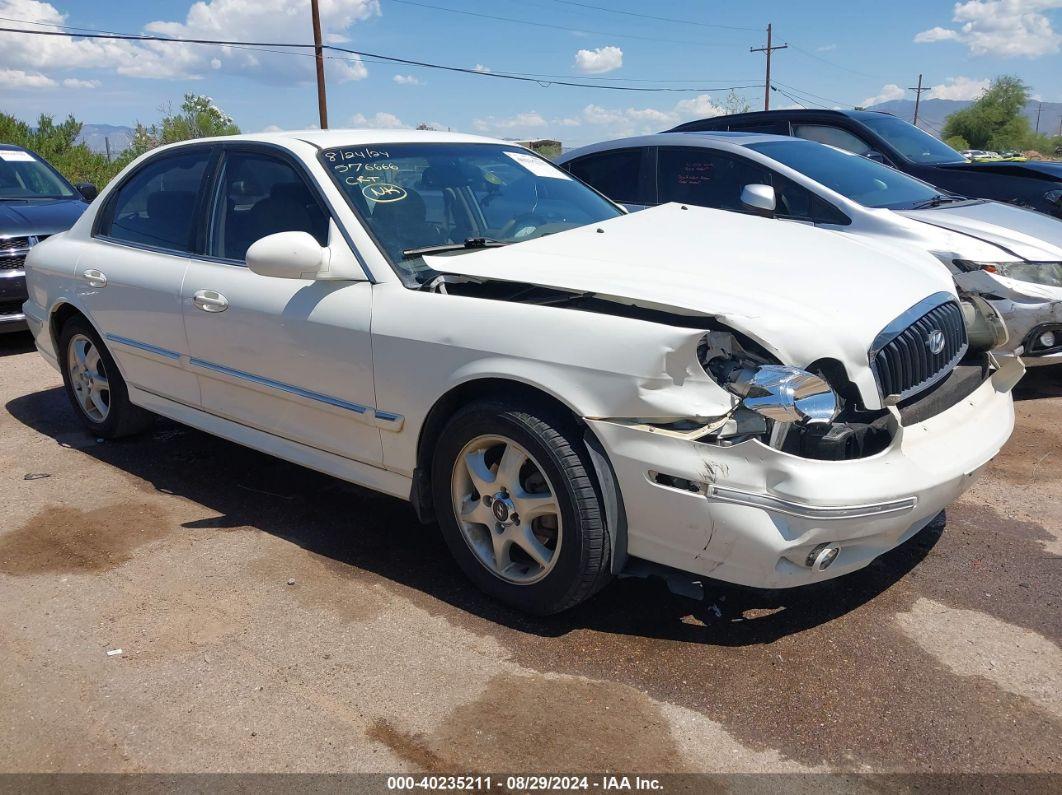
(876, 156)
(287, 255)
(759, 198)
(87, 190)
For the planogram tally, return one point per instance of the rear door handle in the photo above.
(210, 301)
(94, 277)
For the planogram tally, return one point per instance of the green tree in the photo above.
(958, 143)
(199, 117)
(994, 121)
(57, 143)
(735, 103)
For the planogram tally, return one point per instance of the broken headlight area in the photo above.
(1049, 273)
(811, 413)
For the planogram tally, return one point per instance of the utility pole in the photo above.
(322, 101)
(1039, 107)
(918, 98)
(767, 81)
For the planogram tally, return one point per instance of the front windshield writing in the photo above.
(414, 195)
(22, 176)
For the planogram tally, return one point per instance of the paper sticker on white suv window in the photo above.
(537, 166)
(16, 156)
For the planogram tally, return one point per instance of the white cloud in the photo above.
(1006, 28)
(73, 82)
(521, 121)
(272, 128)
(958, 88)
(16, 78)
(599, 61)
(379, 121)
(481, 68)
(826, 48)
(269, 20)
(406, 80)
(888, 93)
(935, 34)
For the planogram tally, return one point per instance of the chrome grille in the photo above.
(903, 359)
(13, 243)
(13, 251)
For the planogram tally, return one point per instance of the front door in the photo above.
(291, 357)
(130, 281)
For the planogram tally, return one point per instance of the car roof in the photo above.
(12, 148)
(326, 139)
(789, 113)
(706, 138)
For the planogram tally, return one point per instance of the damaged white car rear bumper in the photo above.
(757, 516)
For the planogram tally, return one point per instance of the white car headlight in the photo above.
(1049, 273)
(784, 394)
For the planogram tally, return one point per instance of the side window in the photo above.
(616, 174)
(706, 177)
(832, 136)
(797, 202)
(260, 195)
(156, 206)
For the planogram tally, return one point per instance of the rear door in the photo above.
(130, 278)
(291, 357)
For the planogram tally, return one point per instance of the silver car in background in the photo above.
(1010, 256)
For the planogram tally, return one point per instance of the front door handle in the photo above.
(94, 277)
(210, 301)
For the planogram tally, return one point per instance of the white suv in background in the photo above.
(454, 321)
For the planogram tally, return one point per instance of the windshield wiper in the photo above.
(938, 200)
(442, 248)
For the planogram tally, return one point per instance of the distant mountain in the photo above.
(97, 136)
(933, 112)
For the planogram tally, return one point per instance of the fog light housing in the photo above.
(1047, 339)
(822, 556)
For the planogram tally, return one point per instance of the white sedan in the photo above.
(569, 390)
(1009, 255)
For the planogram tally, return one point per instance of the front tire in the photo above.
(94, 385)
(518, 508)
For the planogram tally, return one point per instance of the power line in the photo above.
(650, 16)
(565, 28)
(522, 77)
(801, 91)
(774, 87)
(802, 51)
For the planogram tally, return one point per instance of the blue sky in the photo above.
(840, 54)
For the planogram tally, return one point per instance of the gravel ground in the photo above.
(176, 603)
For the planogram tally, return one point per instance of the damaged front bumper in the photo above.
(754, 515)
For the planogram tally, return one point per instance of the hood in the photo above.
(1028, 234)
(803, 293)
(39, 216)
(1032, 169)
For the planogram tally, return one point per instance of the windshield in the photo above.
(419, 195)
(23, 176)
(857, 178)
(911, 142)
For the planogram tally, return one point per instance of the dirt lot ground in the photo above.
(180, 550)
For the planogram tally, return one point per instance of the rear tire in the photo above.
(495, 460)
(94, 385)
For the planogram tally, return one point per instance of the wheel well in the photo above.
(447, 405)
(58, 320)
